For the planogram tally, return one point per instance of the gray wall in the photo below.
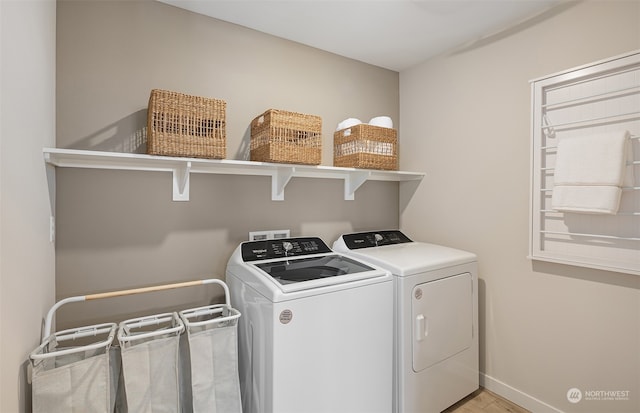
(120, 229)
(465, 121)
(27, 124)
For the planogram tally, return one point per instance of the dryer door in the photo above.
(442, 313)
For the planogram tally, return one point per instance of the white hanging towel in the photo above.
(589, 173)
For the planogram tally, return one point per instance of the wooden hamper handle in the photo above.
(141, 290)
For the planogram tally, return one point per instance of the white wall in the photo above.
(465, 121)
(27, 124)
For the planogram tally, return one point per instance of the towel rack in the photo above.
(598, 97)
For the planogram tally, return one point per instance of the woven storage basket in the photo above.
(286, 137)
(367, 147)
(185, 125)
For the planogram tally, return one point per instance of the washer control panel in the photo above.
(374, 239)
(281, 248)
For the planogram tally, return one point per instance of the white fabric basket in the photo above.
(150, 363)
(212, 368)
(79, 378)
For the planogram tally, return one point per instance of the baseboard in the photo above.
(518, 397)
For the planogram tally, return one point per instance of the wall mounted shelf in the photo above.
(182, 168)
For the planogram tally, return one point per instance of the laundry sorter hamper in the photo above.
(213, 358)
(78, 370)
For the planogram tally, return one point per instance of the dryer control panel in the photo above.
(281, 248)
(374, 239)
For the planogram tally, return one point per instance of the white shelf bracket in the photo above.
(352, 182)
(279, 180)
(50, 170)
(181, 175)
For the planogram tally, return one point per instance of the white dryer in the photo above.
(436, 317)
(316, 330)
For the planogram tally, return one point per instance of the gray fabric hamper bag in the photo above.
(76, 379)
(213, 359)
(150, 363)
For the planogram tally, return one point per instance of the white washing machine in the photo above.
(316, 330)
(436, 317)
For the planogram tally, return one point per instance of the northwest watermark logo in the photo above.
(575, 395)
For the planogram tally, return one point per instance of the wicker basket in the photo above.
(367, 147)
(185, 125)
(286, 137)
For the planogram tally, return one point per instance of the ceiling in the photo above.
(393, 34)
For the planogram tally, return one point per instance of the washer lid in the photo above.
(293, 268)
(312, 268)
(408, 258)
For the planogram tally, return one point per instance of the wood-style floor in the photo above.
(483, 401)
